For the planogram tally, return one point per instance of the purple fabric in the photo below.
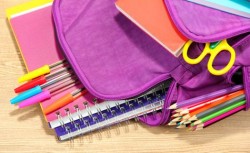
(111, 56)
(114, 59)
(210, 25)
(204, 24)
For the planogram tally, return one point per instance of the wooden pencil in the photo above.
(218, 113)
(206, 97)
(176, 119)
(218, 118)
(176, 115)
(181, 126)
(216, 102)
(209, 104)
(217, 108)
(172, 123)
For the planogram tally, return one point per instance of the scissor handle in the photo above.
(223, 46)
(197, 59)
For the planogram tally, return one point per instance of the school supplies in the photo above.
(38, 89)
(236, 7)
(208, 112)
(215, 114)
(39, 81)
(131, 63)
(108, 113)
(114, 59)
(44, 95)
(216, 108)
(210, 25)
(206, 97)
(74, 100)
(153, 18)
(66, 99)
(191, 111)
(40, 71)
(38, 47)
(213, 51)
(216, 119)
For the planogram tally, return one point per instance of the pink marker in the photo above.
(46, 94)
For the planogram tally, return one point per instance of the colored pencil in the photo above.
(213, 103)
(218, 113)
(217, 108)
(172, 123)
(176, 115)
(209, 104)
(181, 126)
(176, 119)
(218, 118)
(206, 97)
(186, 107)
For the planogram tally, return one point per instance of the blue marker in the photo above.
(38, 89)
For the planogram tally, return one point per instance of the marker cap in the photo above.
(68, 98)
(35, 99)
(34, 74)
(38, 81)
(27, 94)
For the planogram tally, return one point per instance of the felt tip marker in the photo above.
(44, 95)
(39, 72)
(66, 99)
(39, 81)
(38, 89)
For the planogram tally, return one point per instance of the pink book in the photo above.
(35, 35)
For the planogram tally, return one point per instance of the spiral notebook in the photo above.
(32, 26)
(109, 113)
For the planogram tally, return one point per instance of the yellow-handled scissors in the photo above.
(213, 51)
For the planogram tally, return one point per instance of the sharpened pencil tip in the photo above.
(176, 115)
(193, 118)
(174, 106)
(176, 119)
(186, 117)
(183, 121)
(178, 110)
(181, 126)
(184, 112)
(172, 123)
(197, 122)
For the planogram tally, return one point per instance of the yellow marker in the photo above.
(39, 72)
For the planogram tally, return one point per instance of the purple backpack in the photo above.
(114, 59)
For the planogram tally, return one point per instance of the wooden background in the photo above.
(26, 131)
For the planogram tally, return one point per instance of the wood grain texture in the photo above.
(26, 131)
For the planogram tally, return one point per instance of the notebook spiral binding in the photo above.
(107, 113)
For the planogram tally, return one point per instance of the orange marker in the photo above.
(66, 99)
